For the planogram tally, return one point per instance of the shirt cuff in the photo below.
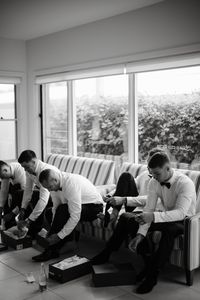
(142, 231)
(61, 235)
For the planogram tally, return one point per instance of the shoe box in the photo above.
(113, 274)
(70, 268)
(17, 244)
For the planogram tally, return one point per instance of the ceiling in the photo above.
(29, 19)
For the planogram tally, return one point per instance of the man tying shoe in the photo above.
(74, 198)
(13, 181)
(178, 196)
(130, 192)
(34, 200)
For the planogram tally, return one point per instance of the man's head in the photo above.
(28, 159)
(153, 151)
(5, 170)
(159, 166)
(50, 179)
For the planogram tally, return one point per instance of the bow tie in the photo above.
(167, 184)
(60, 189)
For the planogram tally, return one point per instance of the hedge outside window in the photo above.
(169, 113)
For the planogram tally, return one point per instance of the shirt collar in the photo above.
(172, 178)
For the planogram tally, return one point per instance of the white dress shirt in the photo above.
(76, 190)
(31, 181)
(18, 177)
(178, 201)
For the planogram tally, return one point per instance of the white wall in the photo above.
(167, 25)
(13, 63)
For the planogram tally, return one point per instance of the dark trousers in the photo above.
(36, 225)
(126, 187)
(88, 213)
(17, 195)
(128, 226)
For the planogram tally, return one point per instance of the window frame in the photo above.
(15, 119)
(131, 69)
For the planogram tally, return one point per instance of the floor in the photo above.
(14, 265)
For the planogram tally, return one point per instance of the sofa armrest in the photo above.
(192, 242)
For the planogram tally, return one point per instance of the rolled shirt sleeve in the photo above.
(74, 208)
(28, 191)
(137, 201)
(41, 204)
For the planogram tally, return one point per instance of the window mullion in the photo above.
(72, 132)
(132, 121)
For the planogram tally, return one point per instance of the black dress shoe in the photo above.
(140, 276)
(46, 255)
(147, 285)
(101, 258)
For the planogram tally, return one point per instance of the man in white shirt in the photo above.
(178, 196)
(74, 198)
(13, 180)
(130, 191)
(35, 197)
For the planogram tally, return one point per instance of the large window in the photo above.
(8, 122)
(102, 115)
(123, 116)
(55, 118)
(169, 113)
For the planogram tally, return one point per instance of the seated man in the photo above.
(74, 198)
(13, 180)
(34, 201)
(130, 191)
(178, 196)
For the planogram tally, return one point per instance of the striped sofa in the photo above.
(100, 172)
(186, 252)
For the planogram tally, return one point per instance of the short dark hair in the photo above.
(26, 156)
(2, 164)
(155, 150)
(158, 160)
(44, 175)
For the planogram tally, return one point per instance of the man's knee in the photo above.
(62, 210)
(126, 176)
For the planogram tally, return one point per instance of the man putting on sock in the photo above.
(74, 198)
(178, 196)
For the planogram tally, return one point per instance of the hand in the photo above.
(23, 224)
(53, 239)
(115, 201)
(21, 215)
(8, 217)
(106, 199)
(145, 217)
(135, 242)
(101, 216)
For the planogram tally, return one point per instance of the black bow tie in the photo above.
(167, 184)
(60, 189)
